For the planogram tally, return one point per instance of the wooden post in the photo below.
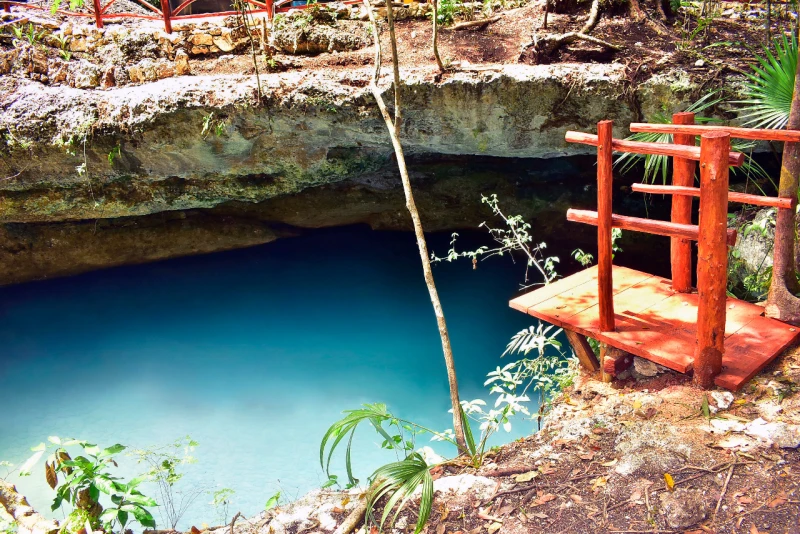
(270, 9)
(712, 257)
(605, 289)
(98, 14)
(6, 7)
(583, 350)
(166, 11)
(682, 175)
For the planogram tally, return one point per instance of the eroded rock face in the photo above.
(201, 142)
(314, 129)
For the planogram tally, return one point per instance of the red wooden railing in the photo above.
(99, 12)
(711, 232)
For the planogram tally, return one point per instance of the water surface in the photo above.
(252, 352)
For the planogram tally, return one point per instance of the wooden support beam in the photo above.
(98, 14)
(669, 229)
(742, 198)
(614, 361)
(166, 11)
(738, 133)
(682, 175)
(605, 178)
(582, 349)
(712, 258)
(655, 149)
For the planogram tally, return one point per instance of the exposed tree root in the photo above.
(544, 46)
(473, 24)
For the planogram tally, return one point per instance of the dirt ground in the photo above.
(725, 47)
(611, 476)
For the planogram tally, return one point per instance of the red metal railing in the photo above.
(99, 12)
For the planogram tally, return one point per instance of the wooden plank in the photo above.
(742, 198)
(747, 353)
(605, 180)
(656, 149)
(712, 258)
(532, 298)
(682, 175)
(666, 228)
(657, 323)
(735, 132)
(566, 305)
(583, 350)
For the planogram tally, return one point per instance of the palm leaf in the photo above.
(770, 86)
(375, 414)
(399, 481)
(655, 165)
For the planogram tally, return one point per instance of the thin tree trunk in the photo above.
(436, 36)
(782, 303)
(546, 12)
(393, 126)
(768, 23)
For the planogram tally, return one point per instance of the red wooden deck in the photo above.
(659, 324)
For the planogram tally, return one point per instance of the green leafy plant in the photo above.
(113, 154)
(514, 236)
(27, 33)
(165, 465)
(63, 45)
(273, 501)
(770, 86)
(221, 501)
(73, 5)
(86, 477)
(655, 165)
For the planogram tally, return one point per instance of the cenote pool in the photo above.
(254, 353)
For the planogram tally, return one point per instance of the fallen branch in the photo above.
(26, 517)
(353, 519)
(551, 42)
(473, 24)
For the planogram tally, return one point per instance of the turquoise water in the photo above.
(254, 353)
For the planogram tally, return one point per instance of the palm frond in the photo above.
(770, 87)
(399, 481)
(375, 414)
(659, 165)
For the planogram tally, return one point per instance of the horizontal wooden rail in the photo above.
(742, 198)
(683, 231)
(654, 149)
(739, 133)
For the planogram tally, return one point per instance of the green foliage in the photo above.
(659, 165)
(770, 86)
(86, 477)
(446, 12)
(273, 501)
(73, 5)
(221, 501)
(398, 481)
(743, 282)
(165, 469)
(27, 33)
(514, 236)
(113, 154)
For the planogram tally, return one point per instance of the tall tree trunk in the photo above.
(436, 35)
(782, 303)
(393, 127)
